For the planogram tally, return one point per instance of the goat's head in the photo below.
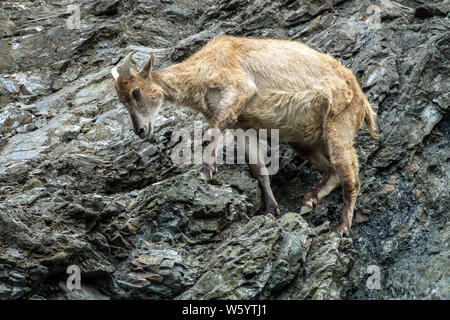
(139, 94)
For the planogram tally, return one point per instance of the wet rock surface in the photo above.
(77, 187)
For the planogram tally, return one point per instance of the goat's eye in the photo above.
(136, 93)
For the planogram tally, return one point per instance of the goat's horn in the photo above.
(125, 66)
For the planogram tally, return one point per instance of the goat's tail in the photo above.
(370, 120)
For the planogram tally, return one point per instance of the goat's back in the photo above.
(297, 87)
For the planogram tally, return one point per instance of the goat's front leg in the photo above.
(259, 172)
(225, 114)
(209, 157)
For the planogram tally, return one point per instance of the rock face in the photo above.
(78, 188)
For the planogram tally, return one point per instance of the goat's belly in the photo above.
(298, 116)
(305, 134)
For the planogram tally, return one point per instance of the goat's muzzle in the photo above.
(142, 131)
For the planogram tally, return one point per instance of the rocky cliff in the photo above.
(77, 187)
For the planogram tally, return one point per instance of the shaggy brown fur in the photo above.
(313, 100)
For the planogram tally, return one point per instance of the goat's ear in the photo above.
(148, 67)
(115, 73)
(133, 71)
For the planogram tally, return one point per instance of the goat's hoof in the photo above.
(308, 204)
(342, 229)
(206, 173)
(305, 209)
(275, 211)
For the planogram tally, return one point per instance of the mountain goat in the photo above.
(314, 102)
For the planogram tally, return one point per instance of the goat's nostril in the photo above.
(141, 132)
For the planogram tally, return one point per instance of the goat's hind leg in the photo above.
(344, 159)
(329, 183)
(313, 197)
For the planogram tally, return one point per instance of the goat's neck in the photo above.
(177, 85)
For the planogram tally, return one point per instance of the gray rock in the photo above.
(241, 266)
(327, 265)
(78, 187)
